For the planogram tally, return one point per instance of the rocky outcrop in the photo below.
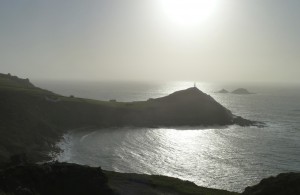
(186, 107)
(245, 122)
(53, 178)
(241, 91)
(283, 184)
(14, 81)
(222, 91)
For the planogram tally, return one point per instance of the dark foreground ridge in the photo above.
(71, 179)
(33, 119)
(283, 184)
(53, 178)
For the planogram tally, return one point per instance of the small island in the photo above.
(241, 91)
(222, 91)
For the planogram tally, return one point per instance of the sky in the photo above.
(198, 40)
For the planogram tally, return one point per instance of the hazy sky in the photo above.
(226, 40)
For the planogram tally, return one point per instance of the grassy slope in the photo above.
(32, 119)
(21, 130)
(30, 124)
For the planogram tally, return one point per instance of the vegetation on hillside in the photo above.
(33, 119)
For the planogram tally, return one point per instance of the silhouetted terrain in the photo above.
(33, 119)
(72, 179)
(53, 178)
(241, 91)
(282, 184)
(222, 91)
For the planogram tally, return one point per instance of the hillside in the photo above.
(71, 179)
(33, 119)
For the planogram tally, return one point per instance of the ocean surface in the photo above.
(229, 158)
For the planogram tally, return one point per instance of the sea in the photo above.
(222, 157)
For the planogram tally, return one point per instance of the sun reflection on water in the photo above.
(215, 157)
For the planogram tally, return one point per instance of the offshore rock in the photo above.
(241, 91)
(222, 91)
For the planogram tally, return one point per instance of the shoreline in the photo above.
(82, 159)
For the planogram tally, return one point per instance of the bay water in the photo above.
(230, 157)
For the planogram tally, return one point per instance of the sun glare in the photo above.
(188, 13)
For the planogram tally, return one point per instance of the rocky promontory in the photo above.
(189, 107)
